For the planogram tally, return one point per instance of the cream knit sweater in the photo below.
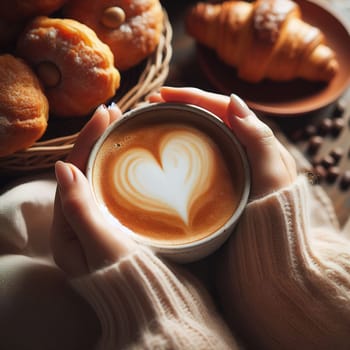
(285, 278)
(143, 304)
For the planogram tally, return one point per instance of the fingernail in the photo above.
(114, 108)
(113, 105)
(101, 107)
(64, 174)
(238, 106)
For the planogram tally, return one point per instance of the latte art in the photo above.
(166, 181)
(170, 181)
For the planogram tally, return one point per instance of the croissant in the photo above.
(263, 39)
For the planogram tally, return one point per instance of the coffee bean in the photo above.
(332, 174)
(325, 126)
(310, 130)
(314, 144)
(336, 154)
(339, 110)
(345, 180)
(327, 161)
(337, 126)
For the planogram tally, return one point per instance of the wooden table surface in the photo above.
(186, 71)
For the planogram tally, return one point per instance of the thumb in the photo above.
(101, 242)
(255, 135)
(268, 163)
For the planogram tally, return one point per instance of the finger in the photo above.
(88, 136)
(215, 103)
(270, 171)
(155, 97)
(66, 249)
(253, 133)
(102, 243)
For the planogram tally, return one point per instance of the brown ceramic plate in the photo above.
(298, 96)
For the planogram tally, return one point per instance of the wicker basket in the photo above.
(136, 85)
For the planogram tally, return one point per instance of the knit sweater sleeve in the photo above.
(143, 303)
(286, 276)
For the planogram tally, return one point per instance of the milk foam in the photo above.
(168, 182)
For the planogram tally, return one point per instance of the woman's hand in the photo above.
(82, 240)
(272, 166)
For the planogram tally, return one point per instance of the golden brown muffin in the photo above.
(16, 10)
(132, 29)
(74, 66)
(23, 106)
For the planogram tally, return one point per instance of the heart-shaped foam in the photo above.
(168, 182)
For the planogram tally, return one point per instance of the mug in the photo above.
(172, 176)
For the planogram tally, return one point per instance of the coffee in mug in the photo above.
(173, 176)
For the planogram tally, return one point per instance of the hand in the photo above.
(272, 166)
(82, 240)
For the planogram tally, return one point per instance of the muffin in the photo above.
(131, 29)
(23, 106)
(74, 66)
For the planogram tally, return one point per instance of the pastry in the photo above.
(263, 39)
(131, 29)
(74, 66)
(17, 10)
(23, 106)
